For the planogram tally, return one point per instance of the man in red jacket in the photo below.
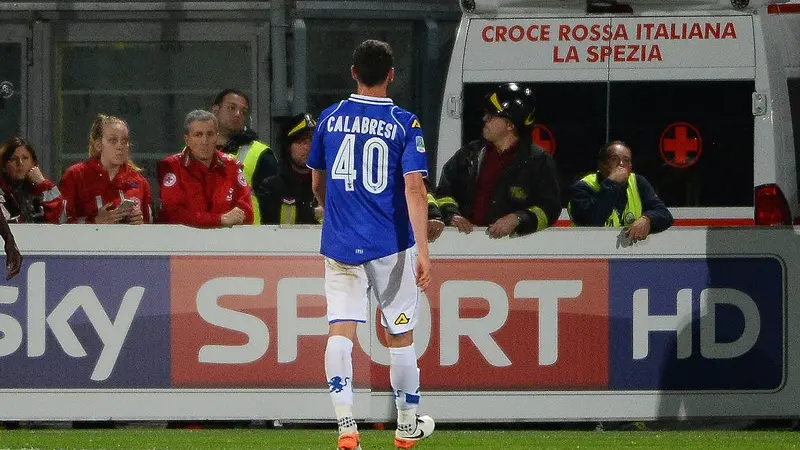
(201, 186)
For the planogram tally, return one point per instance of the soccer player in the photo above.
(368, 160)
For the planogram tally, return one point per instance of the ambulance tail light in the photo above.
(771, 206)
(793, 8)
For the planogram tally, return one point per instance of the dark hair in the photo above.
(10, 145)
(372, 61)
(602, 155)
(221, 96)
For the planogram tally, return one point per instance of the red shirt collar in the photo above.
(216, 161)
(508, 152)
(97, 166)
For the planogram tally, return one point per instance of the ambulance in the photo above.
(705, 92)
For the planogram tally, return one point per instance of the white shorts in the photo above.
(393, 281)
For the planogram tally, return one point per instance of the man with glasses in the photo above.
(231, 107)
(614, 196)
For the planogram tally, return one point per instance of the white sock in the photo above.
(404, 376)
(339, 370)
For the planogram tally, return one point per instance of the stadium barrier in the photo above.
(173, 323)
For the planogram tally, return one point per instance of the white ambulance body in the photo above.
(706, 93)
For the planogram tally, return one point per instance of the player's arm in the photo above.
(417, 201)
(316, 162)
(318, 186)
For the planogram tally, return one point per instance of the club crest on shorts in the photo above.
(402, 319)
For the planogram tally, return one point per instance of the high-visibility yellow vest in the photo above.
(633, 208)
(249, 155)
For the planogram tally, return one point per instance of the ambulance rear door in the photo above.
(681, 94)
(678, 89)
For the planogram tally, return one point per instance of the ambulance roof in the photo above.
(523, 6)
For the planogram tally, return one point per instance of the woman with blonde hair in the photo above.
(108, 187)
(26, 196)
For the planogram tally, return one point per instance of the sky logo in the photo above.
(86, 322)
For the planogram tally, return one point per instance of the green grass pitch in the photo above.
(241, 439)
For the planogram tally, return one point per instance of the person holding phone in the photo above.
(25, 194)
(108, 187)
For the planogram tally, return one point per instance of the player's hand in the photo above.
(435, 228)
(136, 217)
(13, 259)
(619, 174)
(319, 213)
(233, 217)
(423, 272)
(503, 226)
(639, 230)
(107, 215)
(463, 225)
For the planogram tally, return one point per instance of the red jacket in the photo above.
(45, 194)
(196, 195)
(86, 188)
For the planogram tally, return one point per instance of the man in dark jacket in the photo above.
(503, 181)
(614, 196)
(287, 196)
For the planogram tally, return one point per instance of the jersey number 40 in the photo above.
(375, 174)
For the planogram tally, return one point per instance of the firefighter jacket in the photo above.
(528, 187)
(288, 198)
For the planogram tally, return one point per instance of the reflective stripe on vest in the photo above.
(633, 207)
(288, 213)
(249, 155)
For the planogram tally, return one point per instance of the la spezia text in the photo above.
(615, 36)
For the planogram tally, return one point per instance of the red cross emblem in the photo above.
(543, 137)
(681, 145)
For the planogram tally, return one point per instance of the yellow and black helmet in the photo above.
(300, 126)
(514, 102)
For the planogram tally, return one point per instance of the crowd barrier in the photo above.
(173, 323)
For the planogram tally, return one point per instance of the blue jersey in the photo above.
(366, 145)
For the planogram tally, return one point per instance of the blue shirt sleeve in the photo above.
(316, 156)
(414, 157)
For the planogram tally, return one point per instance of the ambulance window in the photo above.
(693, 140)
(570, 118)
(794, 102)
